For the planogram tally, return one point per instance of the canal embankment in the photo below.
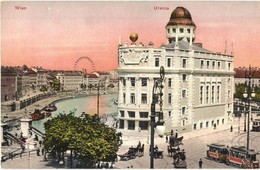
(12, 117)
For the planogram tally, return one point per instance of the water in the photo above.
(82, 104)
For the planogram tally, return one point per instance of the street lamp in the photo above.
(98, 86)
(160, 128)
(244, 104)
(248, 95)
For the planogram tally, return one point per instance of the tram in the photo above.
(235, 155)
(217, 152)
(256, 125)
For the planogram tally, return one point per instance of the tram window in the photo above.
(253, 157)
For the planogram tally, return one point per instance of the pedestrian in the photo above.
(166, 139)
(176, 134)
(231, 129)
(200, 163)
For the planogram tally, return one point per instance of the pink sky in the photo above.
(55, 34)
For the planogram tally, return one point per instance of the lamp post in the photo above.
(244, 104)
(156, 97)
(98, 98)
(248, 95)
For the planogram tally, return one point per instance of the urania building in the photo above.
(198, 85)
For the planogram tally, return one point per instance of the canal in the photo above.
(87, 104)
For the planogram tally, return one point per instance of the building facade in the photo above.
(70, 80)
(198, 85)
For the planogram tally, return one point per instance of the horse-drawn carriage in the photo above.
(179, 159)
(132, 153)
(175, 141)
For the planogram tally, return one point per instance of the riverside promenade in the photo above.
(8, 116)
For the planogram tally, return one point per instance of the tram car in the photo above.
(256, 125)
(235, 155)
(217, 152)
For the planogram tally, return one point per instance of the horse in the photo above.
(172, 150)
(175, 141)
(179, 160)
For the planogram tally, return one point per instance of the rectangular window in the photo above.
(212, 94)
(213, 64)
(131, 114)
(183, 110)
(131, 124)
(229, 66)
(202, 64)
(219, 65)
(207, 124)
(169, 98)
(188, 30)
(217, 122)
(195, 126)
(174, 30)
(132, 82)
(132, 98)
(207, 64)
(181, 30)
(201, 94)
(157, 62)
(123, 82)
(124, 98)
(169, 62)
(207, 94)
(170, 113)
(169, 82)
(143, 114)
(183, 93)
(144, 125)
(183, 122)
(184, 63)
(121, 124)
(212, 123)
(144, 82)
(122, 113)
(184, 77)
(144, 98)
(201, 125)
(168, 30)
(218, 94)
(223, 121)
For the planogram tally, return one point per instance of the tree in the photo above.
(240, 89)
(90, 140)
(43, 88)
(90, 86)
(55, 84)
(83, 86)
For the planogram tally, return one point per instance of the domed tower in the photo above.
(180, 26)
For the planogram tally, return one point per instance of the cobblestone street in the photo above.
(194, 143)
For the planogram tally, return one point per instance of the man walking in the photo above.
(200, 163)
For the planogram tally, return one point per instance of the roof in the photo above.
(181, 16)
(241, 72)
(217, 145)
(242, 149)
(92, 76)
(184, 45)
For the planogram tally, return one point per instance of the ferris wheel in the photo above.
(84, 64)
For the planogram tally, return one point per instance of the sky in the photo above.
(55, 35)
